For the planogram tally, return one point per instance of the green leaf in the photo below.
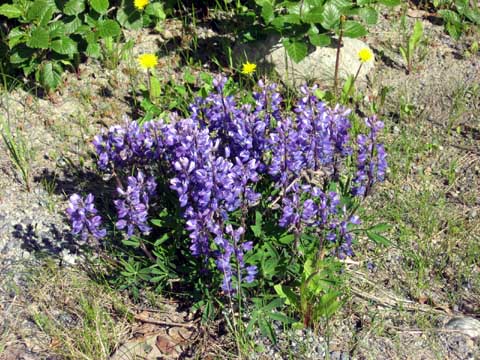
(354, 29)
(281, 317)
(267, 12)
(64, 46)
(156, 10)
(16, 36)
(93, 50)
(296, 50)
(287, 293)
(314, 15)
(49, 76)
(132, 243)
(38, 10)
(39, 38)
(74, 7)
(56, 29)
(10, 11)
(369, 15)
(129, 19)
(378, 239)
(389, 2)
(108, 28)
(20, 54)
(100, 6)
(415, 38)
(286, 239)
(330, 17)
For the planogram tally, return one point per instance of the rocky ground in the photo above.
(398, 310)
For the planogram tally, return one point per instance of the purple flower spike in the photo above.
(83, 216)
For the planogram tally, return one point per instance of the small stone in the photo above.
(466, 325)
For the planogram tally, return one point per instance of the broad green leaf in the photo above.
(74, 7)
(156, 10)
(100, 6)
(450, 16)
(49, 76)
(330, 17)
(72, 26)
(296, 50)
(37, 10)
(15, 36)
(314, 15)
(10, 11)
(369, 15)
(354, 29)
(39, 38)
(473, 15)
(64, 46)
(286, 239)
(390, 2)
(287, 293)
(93, 50)
(129, 19)
(108, 28)
(281, 317)
(320, 39)
(267, 12)
(20, 54)
(415, 38)
(56, 29)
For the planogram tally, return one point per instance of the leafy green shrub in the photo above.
(43, 37)
(458, 15)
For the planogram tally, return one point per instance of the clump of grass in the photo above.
(19, 150)
(83, 319)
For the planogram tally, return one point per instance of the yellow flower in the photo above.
(140, 4)
(147, 61)
(248, 68)
(365, 55)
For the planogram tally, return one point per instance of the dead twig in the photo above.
(163, 323)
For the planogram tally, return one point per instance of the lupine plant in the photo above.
(260, 196)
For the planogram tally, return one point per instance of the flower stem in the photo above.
(337, 60)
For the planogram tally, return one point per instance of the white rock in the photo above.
(318, 65)
(467, 325)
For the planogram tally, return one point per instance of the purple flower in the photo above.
(132, 207)
(83, 216)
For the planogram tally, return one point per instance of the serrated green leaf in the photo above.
(330, 17)
(74, 7)
(56, 29)
(314, 15)
(100, 6)
(15, 37)
(156, 10)
(130, 19)
(64, 46)
(39, 38)
(390, 2)
(50, 78)
(320, 39)
(369, 15)
(267, 12)
(353, 29)
(20, 54)
(10, 11)
(93, 50)
(108, 28)
(296, 50)
(38, 10)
